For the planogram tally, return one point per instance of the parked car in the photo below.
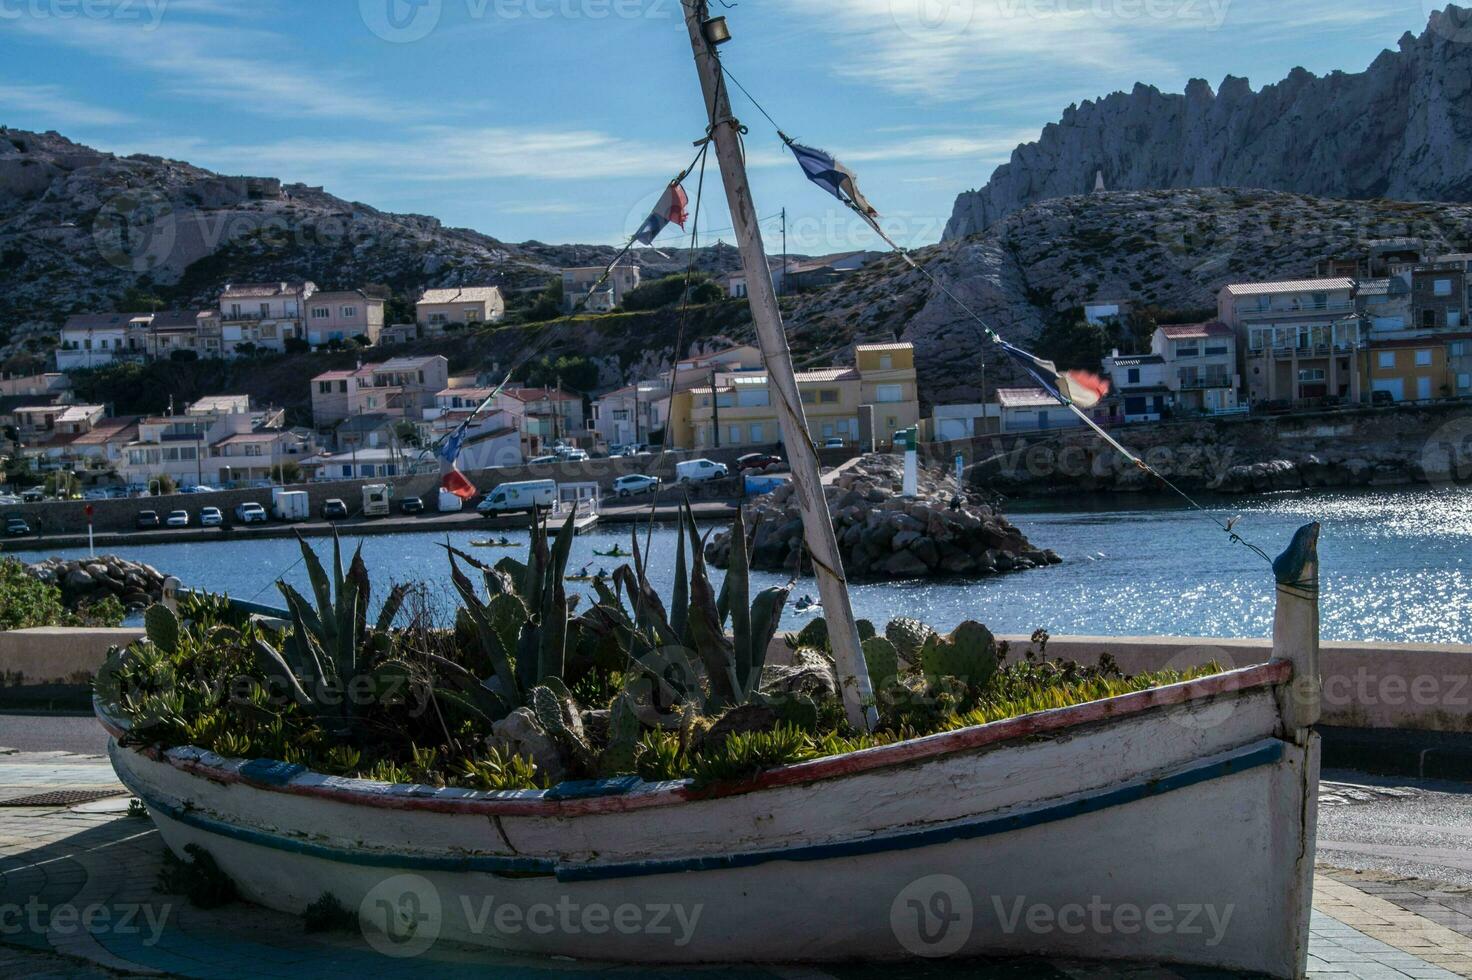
(1381, 398)
(118, 493)
(572, 455)
(411, 505)
(177, 518)
(147, 520)
(16, 526)
(33, 495)
(627, 486)
(757, 461)
(98, 494)
(9, 501)
(334, 510)
(834, 443)
(700, 471)
(544, 459)
(211, 517)
(251, 513)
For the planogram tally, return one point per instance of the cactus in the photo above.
(549, 707)
(622, 753)
(909, 637)
(814, 636)
(162, 627)
(969, 652)
(883, 661)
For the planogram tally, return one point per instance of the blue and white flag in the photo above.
(833, 177)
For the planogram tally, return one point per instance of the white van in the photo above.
(290, 505)
(510, 498)
(377, 500)
(700, 471)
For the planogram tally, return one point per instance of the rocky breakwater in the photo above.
(84, 581)
(942, 531)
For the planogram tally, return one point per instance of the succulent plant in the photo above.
(162, 627)
(969, 653)
(813, 636)
(908, 636)
(883, 661)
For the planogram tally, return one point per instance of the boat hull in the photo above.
(1175, 827)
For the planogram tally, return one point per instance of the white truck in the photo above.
(377, 500)
(512, 498)
(290, 505)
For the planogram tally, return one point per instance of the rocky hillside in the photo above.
(1401, 129)
(79, 226)
(1170, 249)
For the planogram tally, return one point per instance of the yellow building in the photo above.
(872, 400)
(1409, 370)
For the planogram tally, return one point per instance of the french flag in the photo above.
(671, 208)
(451, 479)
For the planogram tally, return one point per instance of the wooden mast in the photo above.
(822, 544)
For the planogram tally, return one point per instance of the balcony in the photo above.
(1211, 381)
(1329, 309)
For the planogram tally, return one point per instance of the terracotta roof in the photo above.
(1189, 331)
(335, 376)
(110, 430)
(462, 294)
(1026, 398)
(828, 374)
(1289, 286)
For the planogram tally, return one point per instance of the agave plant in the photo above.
(521, 626)
(328, 656)
(665, 645)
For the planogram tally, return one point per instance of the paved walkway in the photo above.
(79, 897)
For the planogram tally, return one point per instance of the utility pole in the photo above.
(715, 412)
(853, 673)
(783, 290)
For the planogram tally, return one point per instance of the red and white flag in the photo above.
(451, 479)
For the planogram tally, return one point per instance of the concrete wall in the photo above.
(1422, 686)
(58, 656)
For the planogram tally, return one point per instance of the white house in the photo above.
(93, 340)
(1200, 365)
(1032, 410)
(953, 423)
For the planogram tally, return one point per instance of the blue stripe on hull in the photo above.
(1266, 753)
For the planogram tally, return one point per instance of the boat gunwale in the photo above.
(536, 803)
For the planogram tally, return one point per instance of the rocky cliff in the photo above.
(1401, 129)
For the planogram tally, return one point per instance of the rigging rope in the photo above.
(994, 337)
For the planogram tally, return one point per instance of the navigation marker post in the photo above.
(822, 544)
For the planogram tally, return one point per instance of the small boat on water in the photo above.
(491, 543)
(1193, 803)
(617, 552)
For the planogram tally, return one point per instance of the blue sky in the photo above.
(561, 120)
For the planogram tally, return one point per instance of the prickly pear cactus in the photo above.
(882, 659)
(909, 637)
(162, 627)
(969, 652)
(814, 635)
(547, 707)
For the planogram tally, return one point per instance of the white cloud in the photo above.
(56, 107)
(218, 63)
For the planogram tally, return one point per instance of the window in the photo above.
(1459, 348)
(1423, 358)
(1387, 359)
(1311, 374)
(342, 387)
(321, 313)
(265, 309)
(828, 396)
(1428, 319)
(1442, 287)
(439, 319)
(753, 397)
(1454, 318)
(809, 397)
(349, 312)
(1134, 376)
(1188, 350)
(734, 432)
(1464, 381)
(886, 362)
(472, 314)
(324, 387)
(1218, 351)
(758, 432)
(889, 394)
(1320, 300)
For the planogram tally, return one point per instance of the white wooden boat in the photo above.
(1172, 825)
